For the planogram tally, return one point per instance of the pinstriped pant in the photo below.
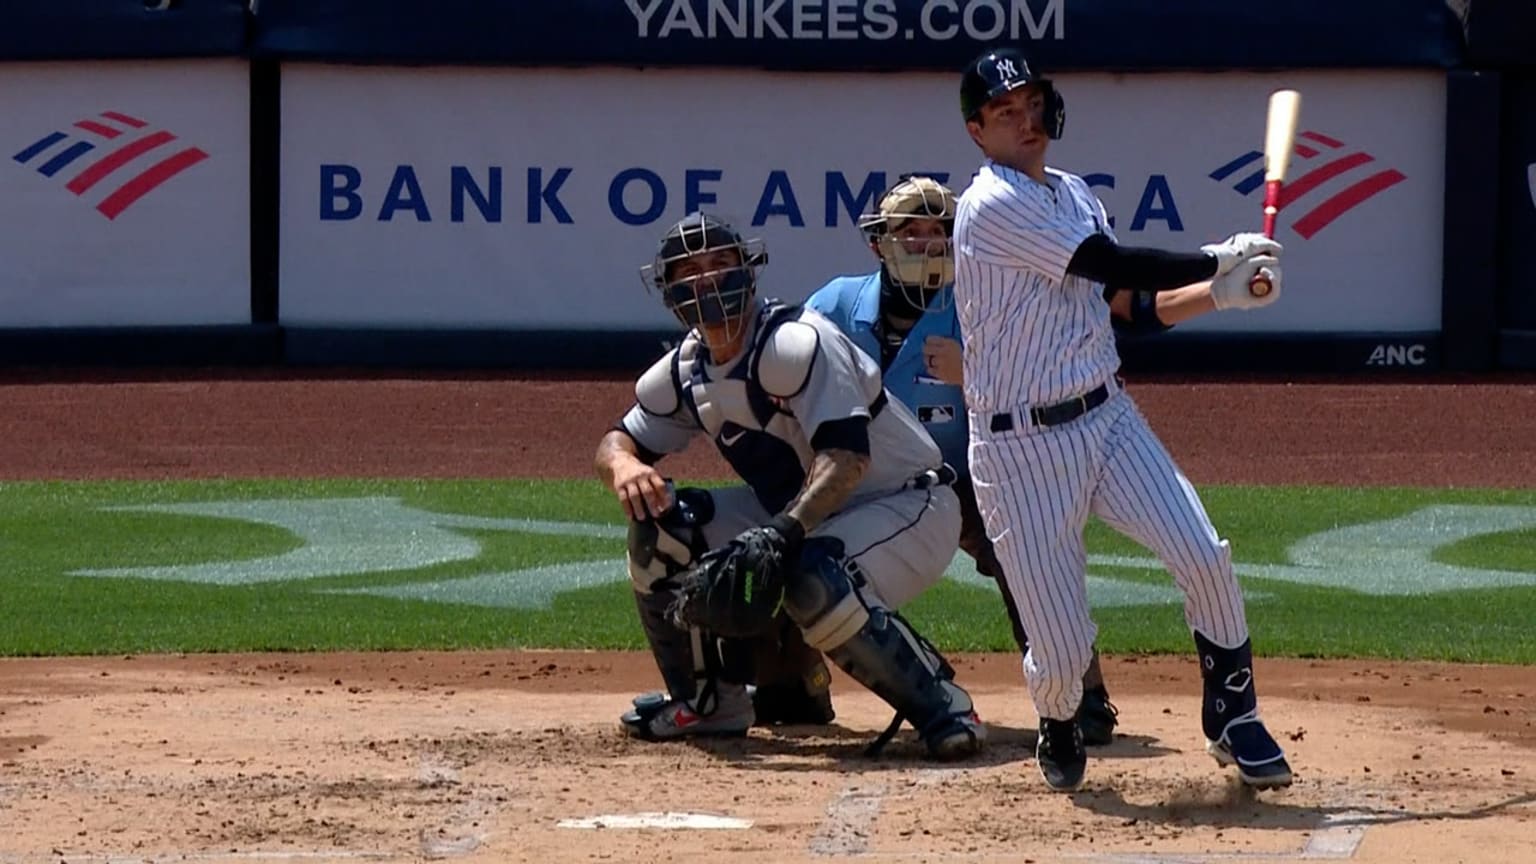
(1036, 488)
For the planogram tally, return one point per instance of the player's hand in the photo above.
(1240, 247)
(942, 359)
(1231, 291)
(641, 489)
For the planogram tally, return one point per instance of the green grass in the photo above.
(53, 530)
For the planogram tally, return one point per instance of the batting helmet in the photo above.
(717, 295)
(1000, 70)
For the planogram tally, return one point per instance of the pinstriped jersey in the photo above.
(1034, 335)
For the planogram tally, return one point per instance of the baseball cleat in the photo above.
(790, 704)
(1248, 745)
(1060, 754)
(659, 717)
(1097, 717)
(960, 737)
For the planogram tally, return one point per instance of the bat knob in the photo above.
(1259, 286)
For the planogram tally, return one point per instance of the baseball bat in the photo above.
(1279, 139)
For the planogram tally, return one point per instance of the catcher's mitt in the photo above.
(737, 590)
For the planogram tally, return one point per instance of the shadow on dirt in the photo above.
(809, 748)
(1233, 805)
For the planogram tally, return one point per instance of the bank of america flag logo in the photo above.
(1332, 159)
(113, 159)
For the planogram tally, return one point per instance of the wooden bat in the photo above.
(1279, 139)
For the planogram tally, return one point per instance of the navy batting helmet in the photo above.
(713, 297)
(999, 70)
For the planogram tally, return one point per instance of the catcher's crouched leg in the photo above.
(880, 650)
(706, 694)
(793, 684)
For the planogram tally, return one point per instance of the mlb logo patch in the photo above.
(936, 413)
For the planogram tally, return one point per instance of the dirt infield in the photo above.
(498, 756)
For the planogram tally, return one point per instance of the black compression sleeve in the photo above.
(1139, 269)
(849, 433)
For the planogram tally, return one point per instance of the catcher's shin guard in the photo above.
(880, 650)
(679, 653)
(706, 683)
(661, 549)
(1230, 716)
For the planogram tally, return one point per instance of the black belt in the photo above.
(1055, 415)
(940, 476)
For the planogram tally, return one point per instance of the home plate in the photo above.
(668, 821)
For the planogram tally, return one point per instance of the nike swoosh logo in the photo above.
(730, 440)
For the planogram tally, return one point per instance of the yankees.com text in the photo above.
(979, 20)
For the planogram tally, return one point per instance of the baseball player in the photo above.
(902, 315)
(1054, 437)
(844, 492)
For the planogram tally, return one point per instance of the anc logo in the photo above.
(1333, 160)
(57, 151)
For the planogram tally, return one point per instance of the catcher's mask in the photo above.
(706, 273)
(911, 229)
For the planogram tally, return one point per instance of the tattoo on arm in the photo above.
(833, 476)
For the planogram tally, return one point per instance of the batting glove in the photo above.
(1231, 290)
(1240, 247)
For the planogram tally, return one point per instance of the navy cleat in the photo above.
(1060, 754)
(1248, 745)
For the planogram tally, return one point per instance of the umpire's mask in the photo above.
(911, 230)
(707, 275)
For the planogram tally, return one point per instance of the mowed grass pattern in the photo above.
(54, 530)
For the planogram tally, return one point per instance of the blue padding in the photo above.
(844, 35)
(121, 29)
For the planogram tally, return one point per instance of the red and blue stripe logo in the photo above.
(1335, 159)
(113, 139)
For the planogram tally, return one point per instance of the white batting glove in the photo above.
(1231, 290)
(1240, 247)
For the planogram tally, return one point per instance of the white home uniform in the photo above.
(1036, 338)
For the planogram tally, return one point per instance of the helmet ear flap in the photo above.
(1055, 110)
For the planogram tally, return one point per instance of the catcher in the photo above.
(846, 513)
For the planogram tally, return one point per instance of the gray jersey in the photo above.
(765, 408)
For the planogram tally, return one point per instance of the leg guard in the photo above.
(706, 681)
(659, 550)
(1230, 716)
(662, 548)
(880, 650)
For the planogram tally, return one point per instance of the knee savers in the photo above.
(822, 597)
(661, 548)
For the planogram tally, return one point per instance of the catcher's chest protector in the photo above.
(757, 435)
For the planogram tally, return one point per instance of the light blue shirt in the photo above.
(853, 304)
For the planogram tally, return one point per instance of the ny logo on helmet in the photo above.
(1006, 69)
